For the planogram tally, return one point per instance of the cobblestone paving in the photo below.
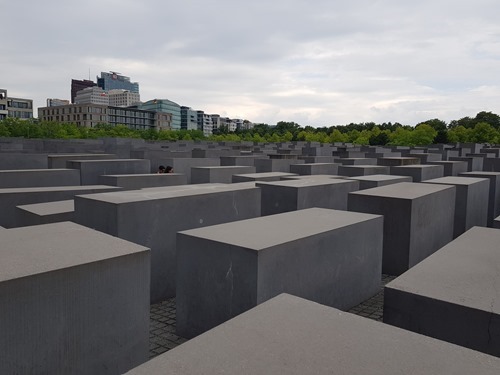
(162, 335)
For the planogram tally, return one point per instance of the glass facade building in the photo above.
(116, 81)
(165, 106)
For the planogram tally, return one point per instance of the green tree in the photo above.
(422, 135)
(483, 132)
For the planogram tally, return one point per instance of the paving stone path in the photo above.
(162, 335)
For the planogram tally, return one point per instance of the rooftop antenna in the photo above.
(89, 73)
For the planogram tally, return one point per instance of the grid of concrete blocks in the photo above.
(293, 257)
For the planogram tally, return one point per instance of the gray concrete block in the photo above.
(266, 176)
(496, 222)
(184, 165)
(58, 161)
(452, 168)
(376, 180)
(140, 181)
(425, 158)
(316, 253)
(317, 159)
(25, 178)
(45, 213)
(419, 172)
(220, 174)
(315, 168)
(310, 177)
(275, 165)
(494, 195)
(395, 161)
(362, 170)
(418, 220)
(90, 170)
(240, 160)
(471, 202)
(298, 194)
(452, 295)
(356, 161)
(73, 301)
(474, 163)
(11, 198)
(290, 335)
(152, 217)
(14, 160)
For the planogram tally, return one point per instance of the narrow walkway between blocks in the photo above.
(162, 336)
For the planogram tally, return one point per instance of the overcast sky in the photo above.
(317, 63)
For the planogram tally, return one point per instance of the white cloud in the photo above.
(319, 64)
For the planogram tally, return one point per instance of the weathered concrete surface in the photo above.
(26, 178)
(419, 172)
(471, 202)
(10, 198)
(152, 217)
(220, 174)
(45, 213)
(362, 170)
(376, 180)
(59, 160)
(265, 176)
(395, 161)
(452, 168)
(318, 254)
(418, 220)
(298, 194)
(473, 163)
(141, 181)
(494, 195)
(73, 301)
(90, 170)
(315, 168)
(14, 160)
(290, 335)
(453, 295)
(184, 165)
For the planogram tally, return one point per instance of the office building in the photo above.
(123, 98)
(114, 81)
(164, 106)
(204, 123)
(78, 85)
(92, 95)
(189, 119)
(15, 107)
(57, 102)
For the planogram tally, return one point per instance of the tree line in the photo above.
(483, 128)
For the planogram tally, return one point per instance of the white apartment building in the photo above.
(92, 95)
(123, 98)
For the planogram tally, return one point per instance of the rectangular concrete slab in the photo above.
(453, 294)
(452, 168)
(290, 335)
(275, 165)
(218, 174)
(419, 172)
(152, 217)
(90, 170)
(265, 176)
(72, 300)
(298, 194)
(10, 198)
(315, 168)
(314, 253)
(376, 180)
(418, 220)
(494, 195)
(45, 213)
(25, 178)
(59, 160)
(362, 170)
(471, 202)
(141, 181)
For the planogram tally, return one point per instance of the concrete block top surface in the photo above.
(266, 174)
(305, 182)
(290, 335)
(416, 166)
(102, 161)
(454, 180)
(223, 167)
(57, 188)
(312, 176)
(377, 177)
(267, 231)
(49, 208)
(44, 248)
(15, 171)
(479, 173)
(463, 272)
(166, 192)
(404, 190)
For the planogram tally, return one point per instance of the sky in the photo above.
(317, 63)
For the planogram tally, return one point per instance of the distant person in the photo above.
(161, 169)
(169, 169)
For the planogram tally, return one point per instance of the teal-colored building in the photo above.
(166, 106)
